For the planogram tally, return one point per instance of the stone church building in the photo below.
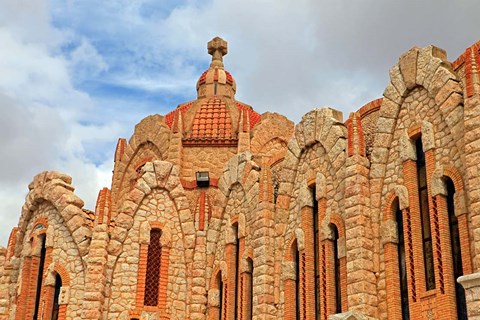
(218, 212)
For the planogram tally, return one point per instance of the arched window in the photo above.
(338, 285)
(456, 251)
(41, 266)
(152, 277)
(56, 296)
(402, 265)
(425, 216)
(316, 250)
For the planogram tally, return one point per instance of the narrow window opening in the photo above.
(40, 277)
(56, 297)
(152, 277)
(296, 258)
(316, 234)
(250, 290)
(456, 251)
(220, 293)
(402, 265)
(237, 270)
(338, 286)
(425, 216)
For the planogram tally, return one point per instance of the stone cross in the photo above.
(217, 47)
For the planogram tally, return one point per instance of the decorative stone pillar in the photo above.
(471, 283)
(95, 278)
(198, 302)
(264, 262)
(361, 280)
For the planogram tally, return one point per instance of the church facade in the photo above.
(218, 212)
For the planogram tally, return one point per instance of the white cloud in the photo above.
(42, 114)
(286, 56)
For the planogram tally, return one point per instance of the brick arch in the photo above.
(287, 256)
(454, 175)
(56, 189)
(11, 244)
(337, 220)
(63, 273)
(390, 199)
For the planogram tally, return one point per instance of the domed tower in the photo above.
(211, 129)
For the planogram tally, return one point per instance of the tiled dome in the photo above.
(212, 123)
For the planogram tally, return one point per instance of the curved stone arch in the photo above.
(56, 189)
(428, 68)
(321, 175)
(324, 126)
(242, 170)
(222, 226)
(155, 175)
(135, 148)
(158, 177)
(272, 126)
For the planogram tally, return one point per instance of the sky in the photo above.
(76, 75)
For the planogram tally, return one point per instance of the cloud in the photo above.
(44, 118)
(76, 75)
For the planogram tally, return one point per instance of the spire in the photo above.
(217, 47)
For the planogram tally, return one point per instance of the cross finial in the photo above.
(217, 47)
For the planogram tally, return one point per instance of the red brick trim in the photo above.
(12, 241)
(120, 149)
(290, 306)
(370, 107)
(392, 272)
(414, 132)
(163, 277)
(455, 176)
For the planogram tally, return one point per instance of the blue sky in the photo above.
(75, 75)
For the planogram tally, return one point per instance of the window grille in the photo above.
(153, 269)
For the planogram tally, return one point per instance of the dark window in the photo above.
(153, 269)
(40, 277)
(237, 269)
(250, 289)
(56, 296)
(316, 234)
(338, 286)
(425, 216)
(220, 293)
(296, 257)
(456, 251)
(402, 265)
